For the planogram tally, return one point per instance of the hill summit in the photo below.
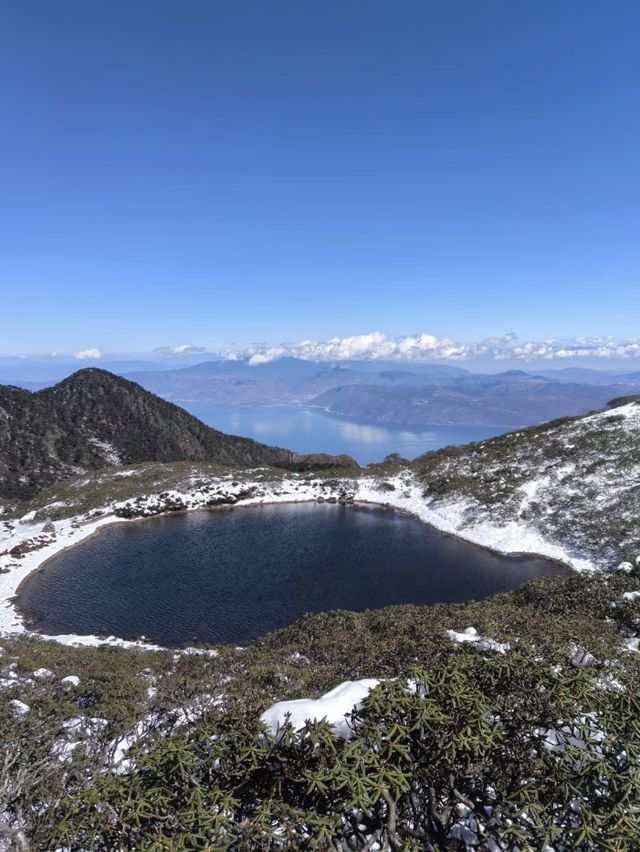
(94, 419)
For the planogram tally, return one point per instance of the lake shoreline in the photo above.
(405, 498)
(259, 569)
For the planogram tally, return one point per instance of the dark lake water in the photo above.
(312, 430)
(232, 575)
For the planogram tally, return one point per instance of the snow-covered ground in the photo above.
(24, 546)
(574, 482)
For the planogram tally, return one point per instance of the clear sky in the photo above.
(221, 173)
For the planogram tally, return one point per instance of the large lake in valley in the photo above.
(231, 575)
(313, 430)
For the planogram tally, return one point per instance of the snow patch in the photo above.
(109, 452)
(482, 643)
(43, 673)
(335, 707)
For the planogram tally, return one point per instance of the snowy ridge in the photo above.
(575, 483)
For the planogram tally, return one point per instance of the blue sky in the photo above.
(225, 173)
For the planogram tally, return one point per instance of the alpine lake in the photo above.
(231, 575)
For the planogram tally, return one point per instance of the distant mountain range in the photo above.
(511, 400)
(94, 419)
(393, 393)
(287, 381)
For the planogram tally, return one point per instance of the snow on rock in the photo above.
(19, 707)
(71, 680)
(627, 596)
(632, 644)
(335, 707)
(482, 643)
(43, 673)
(581, 657)
(467, 829)
(470, 634)
(8, 681)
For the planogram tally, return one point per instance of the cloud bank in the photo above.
(377, 346)
(88, 355)
(184, 349)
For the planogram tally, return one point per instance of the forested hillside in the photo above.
(94, 419)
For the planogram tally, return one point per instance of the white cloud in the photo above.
(373, 346)
(427, 347)
(364, 347)
(88, 355)
(184, 349)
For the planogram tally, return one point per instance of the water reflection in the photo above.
(313, 430)
(361, 433)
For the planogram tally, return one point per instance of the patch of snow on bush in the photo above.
(482, 643)
(43, 673)
(335, 707)
(627, 596)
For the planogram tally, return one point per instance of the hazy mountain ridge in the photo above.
(508, 399)
(386, 392)
(94, 419)
(396, 393)
(287, 381)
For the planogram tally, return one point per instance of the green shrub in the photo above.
(535, 757)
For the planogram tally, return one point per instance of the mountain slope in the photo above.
(575, 482)
(94, 419)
